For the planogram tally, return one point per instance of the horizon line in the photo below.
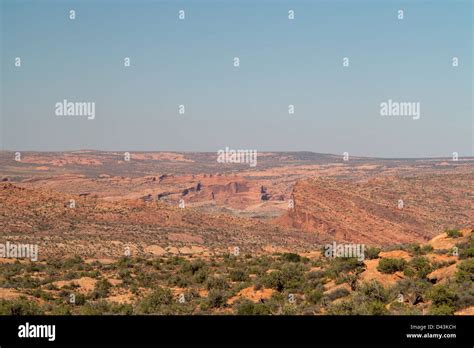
(263, 151)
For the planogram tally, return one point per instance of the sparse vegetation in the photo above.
(453, 233)
(257, 285)
(101, 289)
(314, 296)
(466, 270)
(216, 298)
(372, 253)
(419, 266)
(156, 301)
(238, 275)
(291, 257)
(443, 299)
(249, 308)
(20, 306)
(389, 265)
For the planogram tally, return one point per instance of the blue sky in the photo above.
(282, 62)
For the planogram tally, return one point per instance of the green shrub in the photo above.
(201, 276)
(338, 293)
(193, 267)
(274, 280)
(60, 310)
(314, 280)
(155, 302)
(258, 285)
(465, 293)
(80, 299)
(20, 306)
(25, 282)
(389, 265)
(249, 308)
(315, 275)
(345, 307)
(425, 249)
(372, 308)
(97, 308)
(51, 287)
(420, 265)
(412, 289)
(289, 309)
(178, 280)
(465, 270)
(90, 274)
(123, 309)
(191, 294)
(372, 253)
(47, 296)
(238, 275)
(442, 295)
(229, 260)
(156, 264)
(466, 249)
(401, 308)
(453, 233)
(371, 291)
(290, 277)
(343, 265)
(442, 310)
(216, 298)
(291, 257)
(101, 289)
(176, 260)
(350, 279)
(11, 269)
(218, 283)
(34, 267)
(358, 307)
(75, 263)
(420, 250)
(466, 252)
(369, 299)
(314, 296)
(125, 275)
(148, 279)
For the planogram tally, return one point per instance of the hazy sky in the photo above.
(190, 62)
